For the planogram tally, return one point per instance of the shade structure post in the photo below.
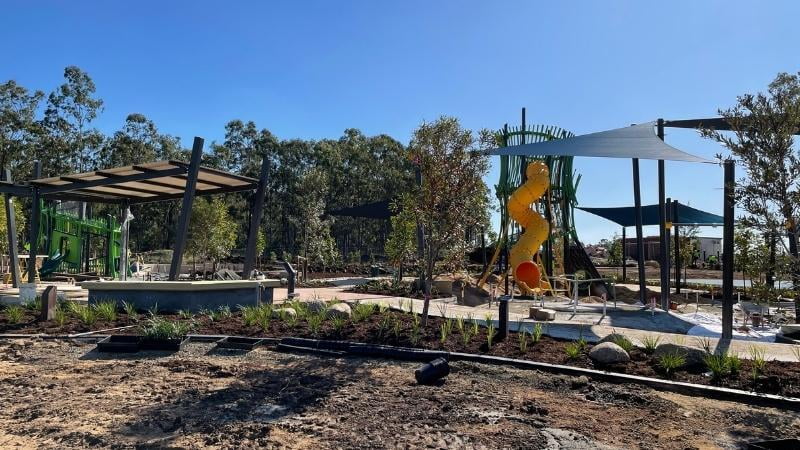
(255, 219)
(637, 201)
(506, 226)
(36, 212)
(11, 227)
(125, 235)
(668, 237)
(678, 262)
(624, 256)
(186, 208)
(727, 255)
(662, 228)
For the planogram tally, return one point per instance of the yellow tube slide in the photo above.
(527, 273)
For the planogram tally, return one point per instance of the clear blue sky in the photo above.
(311, 69)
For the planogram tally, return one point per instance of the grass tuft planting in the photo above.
(14, 313)
(162, 328)
(670, 362)
(106, 310)
(650, 344)
(130, 311)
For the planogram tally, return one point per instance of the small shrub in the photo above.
(460, 324)
(718, 365)
(315, 322)
(161, 328)
(14, 313)
(185, 314)
(362, 311)
(130, 311)
(466, 336)
(224, 311)
(490, 334)
(573, 350)
(264, 317)
(650, 344)
(476, 328)
(705, 344)
(734, 363)
(34, 305)
(300, 308)
(85, 314)
(670, 362)
(623, 342)
(60, 316)
(536, 334)
(106, 310)
(522, 337)
(758, 360)
(249, 315)
(445, 329)
(338, 323)
(581, 343)
(415, 331)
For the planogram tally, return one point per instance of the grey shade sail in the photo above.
(626, 215)
(637, 141)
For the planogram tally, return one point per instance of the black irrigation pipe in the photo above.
(342, 348)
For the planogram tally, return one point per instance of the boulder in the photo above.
(694, 356)
(284, 312)
(608, 353)
(340, 310)
(613, 337)
(316, 306)
(538, 313)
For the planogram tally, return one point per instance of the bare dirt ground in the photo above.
(64, 395)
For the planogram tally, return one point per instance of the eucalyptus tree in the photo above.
(762, 142)
(18, 125)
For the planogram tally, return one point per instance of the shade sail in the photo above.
(375, 210)
(637, 141)
(626, 215)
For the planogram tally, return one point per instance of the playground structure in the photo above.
(70, 242)
(527, 273)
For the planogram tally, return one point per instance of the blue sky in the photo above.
(310, 69)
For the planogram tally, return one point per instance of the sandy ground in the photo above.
(62, 395)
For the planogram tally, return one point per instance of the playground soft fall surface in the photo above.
(65, 395)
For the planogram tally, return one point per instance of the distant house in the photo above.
(706, 247)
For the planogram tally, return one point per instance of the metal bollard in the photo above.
(503, 312)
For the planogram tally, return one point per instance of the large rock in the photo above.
(613, 337)
(608, 353)
(316, 306)
(340, 310)
(694, 356)
(538, 313)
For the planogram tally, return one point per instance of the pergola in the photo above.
(137, 184)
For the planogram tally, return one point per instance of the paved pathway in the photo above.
(559, 329)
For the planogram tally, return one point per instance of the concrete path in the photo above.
(558, 329)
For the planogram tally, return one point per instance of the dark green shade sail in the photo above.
(626, 215)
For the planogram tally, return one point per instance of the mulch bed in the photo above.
(778, 378)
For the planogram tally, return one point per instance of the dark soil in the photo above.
(778, 378)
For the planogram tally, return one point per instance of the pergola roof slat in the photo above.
(138, 183)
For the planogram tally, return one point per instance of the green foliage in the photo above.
(717, 364)
(416, 333)
(491, 332)
(162, 328)
(362, 311)
(447, 206)
(705, 344)
(623, 342)
(338, 323)
(573, 350)
(249, 314)
(536, 334)
(14, 313)
(185, 314)
(401, 245)
(85, 314)
(522, 338)
(130, 311)
(106, 310)
(314, 321)
(650, 343)
(34, 305)
(60, 315)
(758, 359)
(445, 329)
(212, 232)
(669, 362)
